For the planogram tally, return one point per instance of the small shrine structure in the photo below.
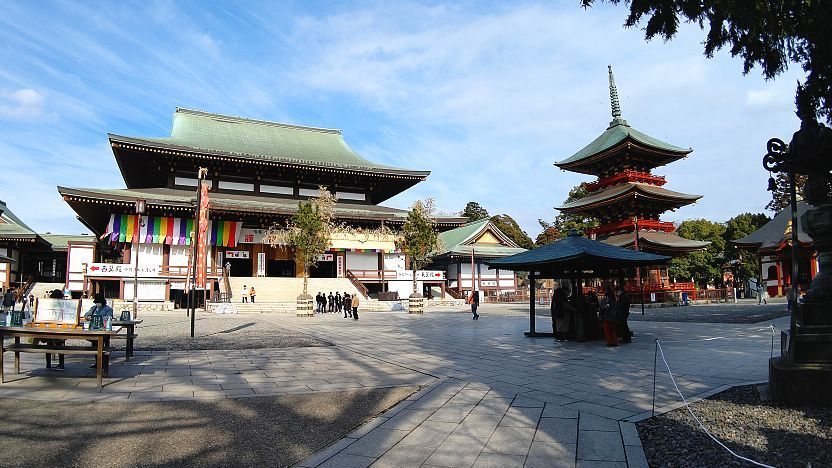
(773, 243)
(628, 199)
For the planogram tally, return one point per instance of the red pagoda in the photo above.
(628, 199)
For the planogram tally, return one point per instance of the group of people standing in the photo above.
(606, 315)
(336, 303)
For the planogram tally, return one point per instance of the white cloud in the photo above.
(23, 104)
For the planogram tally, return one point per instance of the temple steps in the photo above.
(286, 290)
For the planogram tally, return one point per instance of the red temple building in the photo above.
(628, 199)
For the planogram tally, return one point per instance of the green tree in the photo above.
(780, 197)
(550, 234)
(565, 222)
(512, 230)
(418, 239)
(771, 34)
(309, 231)
(703, 266)
(745, 264)
(474, 212)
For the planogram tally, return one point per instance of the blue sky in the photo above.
(486, 96)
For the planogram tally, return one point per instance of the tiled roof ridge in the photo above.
(234, 118)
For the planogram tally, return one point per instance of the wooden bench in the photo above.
(100, 338)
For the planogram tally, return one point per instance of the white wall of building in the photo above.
(149, 255)
(178, 255)
(404, 288)
(393, 261)
(78, 257)
(149, 289)
(362, 261)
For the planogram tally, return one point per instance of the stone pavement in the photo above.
(493, 397)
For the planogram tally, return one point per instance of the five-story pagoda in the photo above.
(628, 199)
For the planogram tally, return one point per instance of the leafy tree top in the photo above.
(310, 229)
(770, 34)
(510, 228)
(418, 239)
(474, 211)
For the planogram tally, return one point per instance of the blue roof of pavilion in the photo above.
(577, 252)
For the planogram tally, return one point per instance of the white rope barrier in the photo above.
(693, 415)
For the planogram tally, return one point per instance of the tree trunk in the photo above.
(414, 282)
(305, 279)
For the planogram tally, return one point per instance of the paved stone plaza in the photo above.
(491, 397)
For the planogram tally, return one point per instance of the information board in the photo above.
(63, 311)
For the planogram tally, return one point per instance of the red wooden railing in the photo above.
(183, 271)
(626, 176)
(629, 224)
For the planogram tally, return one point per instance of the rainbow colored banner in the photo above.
(166, 230)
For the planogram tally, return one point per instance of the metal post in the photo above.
(655, 360)
(794, 293)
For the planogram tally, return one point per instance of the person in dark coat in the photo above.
(330, 302)
(608, 313)
(560, 320)
(623, 306)
(339, 301)
(347, 305)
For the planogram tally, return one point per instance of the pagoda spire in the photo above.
(614, 102)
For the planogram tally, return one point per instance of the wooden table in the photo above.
(130, 328)
(101, 339)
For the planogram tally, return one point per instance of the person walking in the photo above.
(354, 304)
(244, 294)
(761, 292)
(623, 307)
(608, 314)
(474, 300)
(252, 293)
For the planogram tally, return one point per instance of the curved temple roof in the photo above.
(458, 241)
(626, 190)
(204, 132)
(655, 240)
(617, 132)
(775, 233)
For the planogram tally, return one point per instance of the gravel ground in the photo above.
(173, 332)
(711, 313)
(262, 431)
(766, 432)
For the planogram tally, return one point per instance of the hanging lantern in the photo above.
(772, 184)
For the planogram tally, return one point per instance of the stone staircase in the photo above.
(287, 289)
(40, 289)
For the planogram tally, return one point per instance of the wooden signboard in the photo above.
(57, 312)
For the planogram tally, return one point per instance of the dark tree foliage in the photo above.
(550, 234)
(564, 222)
(744, 264)
(780, 196)
(512, 230)
(474, 212)
(770, 34)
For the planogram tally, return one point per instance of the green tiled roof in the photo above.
(455, 241)
(12, 226)
(615, 193)
(61, 241)
(614, 135)
(618, 131)
(262, 140)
